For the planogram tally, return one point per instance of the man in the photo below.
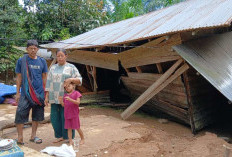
(31, 73)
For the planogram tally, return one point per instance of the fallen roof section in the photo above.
(212, 58)
(185, 16)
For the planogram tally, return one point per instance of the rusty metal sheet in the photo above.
(188, 15)
(212, 58)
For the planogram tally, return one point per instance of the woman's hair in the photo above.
(61, 50)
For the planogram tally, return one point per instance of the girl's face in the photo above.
(61, 58)
(69, 88)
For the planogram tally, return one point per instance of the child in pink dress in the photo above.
(71, 101)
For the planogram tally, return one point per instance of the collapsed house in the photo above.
(177, 59)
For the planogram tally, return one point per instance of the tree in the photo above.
(61, 19)
(11, 20)
(126, 9)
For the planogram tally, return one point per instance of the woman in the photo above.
(59, 76)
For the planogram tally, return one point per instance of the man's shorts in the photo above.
(23, 109)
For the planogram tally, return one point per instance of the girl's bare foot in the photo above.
(71, 143)
(82, 141)
(58, 140)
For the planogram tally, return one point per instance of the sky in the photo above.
(21, 2)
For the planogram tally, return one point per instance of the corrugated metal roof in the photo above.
(212, 58)
(41, 52)
(188, 15)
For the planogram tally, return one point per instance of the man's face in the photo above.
(32, 51)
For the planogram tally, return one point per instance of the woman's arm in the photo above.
(75, 77)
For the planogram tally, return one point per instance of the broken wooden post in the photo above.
(159, 67)
(142, 99)
(53, 62)
(94, 75)
(138, 69)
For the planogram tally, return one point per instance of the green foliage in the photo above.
(11, 20)
(64, 34)
(126, 9)
(53, 18)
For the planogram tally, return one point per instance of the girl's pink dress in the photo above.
(71, 111)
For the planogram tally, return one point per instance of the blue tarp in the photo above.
(6, 90)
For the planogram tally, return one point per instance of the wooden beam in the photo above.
(97, 59)
(139, 69)
(159, 67)
(147, 94)
(156, 51)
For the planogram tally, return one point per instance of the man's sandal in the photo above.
(36, 140)
(19, 143)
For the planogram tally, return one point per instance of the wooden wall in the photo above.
(171, 100)
(205, 100)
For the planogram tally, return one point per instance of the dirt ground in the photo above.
(109, 136)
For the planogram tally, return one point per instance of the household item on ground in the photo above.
(76, 143)
(63, 151)
(8, 148)
(6, 90)
(6, 144)
(11, 101)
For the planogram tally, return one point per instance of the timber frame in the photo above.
(157, 77)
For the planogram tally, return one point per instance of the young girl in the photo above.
(71, 101)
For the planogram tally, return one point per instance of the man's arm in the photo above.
(18, 85)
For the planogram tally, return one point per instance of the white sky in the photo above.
(20, 2)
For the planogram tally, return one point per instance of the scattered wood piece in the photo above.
(95, 97)
(10, 123)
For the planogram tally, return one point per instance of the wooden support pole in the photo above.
(90, 76)
(53, 62)
(94, 75)
(142, 99)
(159, 67)
(139, 69)
(127, 70)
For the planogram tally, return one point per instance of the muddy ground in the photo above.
(140, 136)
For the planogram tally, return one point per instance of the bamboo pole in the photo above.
(147, 94)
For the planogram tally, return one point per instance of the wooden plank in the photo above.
(143, 85)
(167, 108)
(151, 52)
(149, 57)
(95, 98)
(173, 99)
(149, 92)
(159, 67)
(145, 97)
(152, 77)
(97, 59)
